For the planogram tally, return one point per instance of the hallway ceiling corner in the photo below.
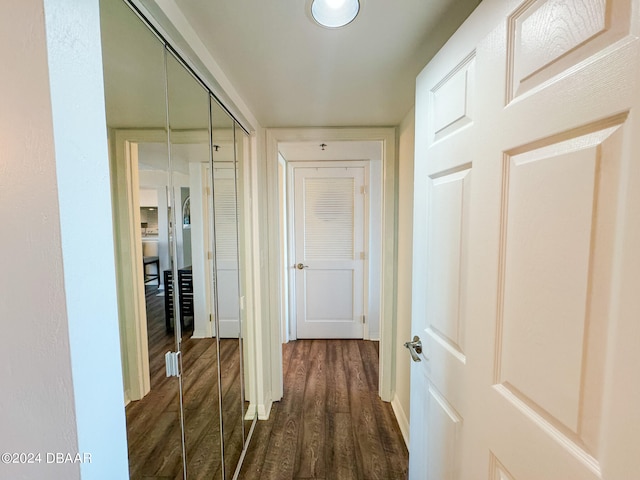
(292, 72)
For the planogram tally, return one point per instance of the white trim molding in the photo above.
(128, 247)
(388, 137)
(401, 417)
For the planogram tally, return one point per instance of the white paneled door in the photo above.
(329, 251)
(527, 246)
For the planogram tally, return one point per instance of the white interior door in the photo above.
(526, 258)
(440, 382)
(226, 235)
(329, 251)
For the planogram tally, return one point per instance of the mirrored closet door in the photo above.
(227, 270)
(242, 159)
(193, 272)
(176, 153)
(136, 106)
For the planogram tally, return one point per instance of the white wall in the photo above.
(405, 242)
(148, 197)
(60, 375)
(36, 405)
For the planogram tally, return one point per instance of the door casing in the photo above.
(128, 244)
(387, 137)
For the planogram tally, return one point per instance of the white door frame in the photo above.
(387, 136)
(128, 246)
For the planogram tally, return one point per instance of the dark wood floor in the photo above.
(331, 424)
(153, 423)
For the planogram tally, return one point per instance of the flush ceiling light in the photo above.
(334, 13)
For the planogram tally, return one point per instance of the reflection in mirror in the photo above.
(189, 133)
(174, 165)
(135, 96)
(227, 281)
(242, 161)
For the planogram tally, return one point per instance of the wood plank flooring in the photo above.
(331, 424)
(153, 423)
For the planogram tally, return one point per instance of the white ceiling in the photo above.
(291, 72)
(339, 150)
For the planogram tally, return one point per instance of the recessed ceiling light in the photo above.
(334, 13)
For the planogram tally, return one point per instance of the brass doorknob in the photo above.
(300, 266)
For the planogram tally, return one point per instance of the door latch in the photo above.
(172, 363)
(415, 348)
(300, 266)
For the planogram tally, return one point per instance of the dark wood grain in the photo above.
(310, 462)
(341, 449)
(257, 461)
(337, 388)
(153, 423)
(280, 460)
(331, 423)
(369, 452)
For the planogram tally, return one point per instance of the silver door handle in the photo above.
(300, 266)
(415, 348)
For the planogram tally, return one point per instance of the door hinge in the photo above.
(209, 255)
(172, 363)
(364, 319)
(363, 190)
(362, 256)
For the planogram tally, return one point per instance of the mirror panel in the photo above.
(190, 160)
(135, 97)
(227, 281)
(176, 155)
(242, 161)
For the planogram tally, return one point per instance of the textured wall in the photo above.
(82, 170)
(37, 411)
(60, 370)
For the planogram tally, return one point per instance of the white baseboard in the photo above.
(197, 333)
(251, 412)
(402, 418)
(263, 411)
